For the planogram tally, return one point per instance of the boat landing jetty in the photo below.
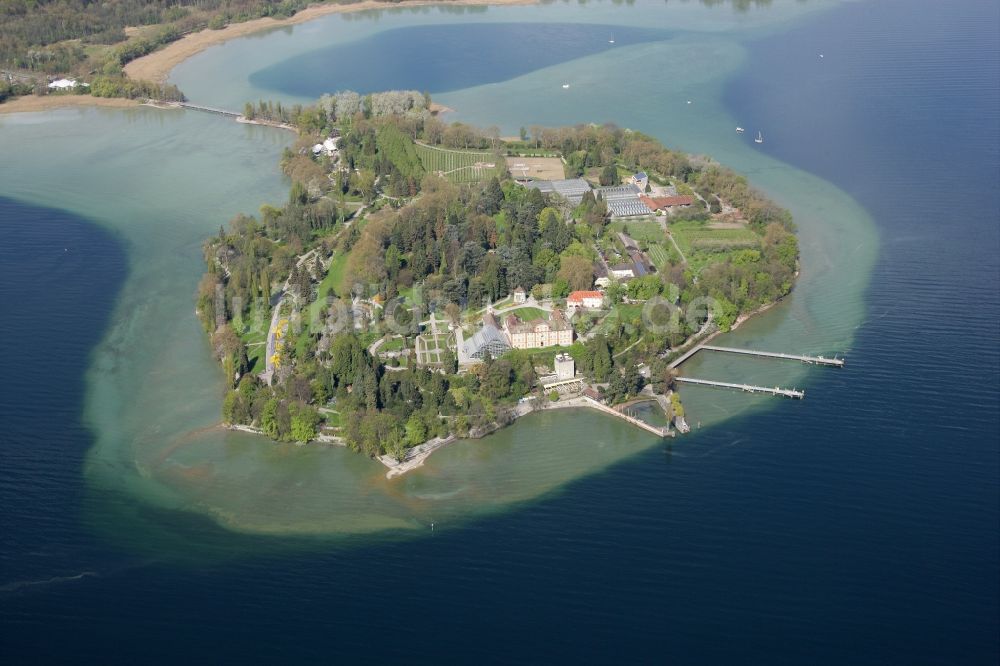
(750, 388)
(747, 388)
(815, 360)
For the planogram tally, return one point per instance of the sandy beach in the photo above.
(35, 103)
(157, 65)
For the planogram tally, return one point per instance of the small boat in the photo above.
(689, 101)
(759, 139)
(740, 130)
(565, 85)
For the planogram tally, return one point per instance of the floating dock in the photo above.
(747, 388)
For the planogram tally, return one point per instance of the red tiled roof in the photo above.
(580, 295)
(656, 203)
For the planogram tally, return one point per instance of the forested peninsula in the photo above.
(429, 280)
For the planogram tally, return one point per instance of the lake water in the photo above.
(856, 526)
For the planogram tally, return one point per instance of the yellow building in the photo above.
(539, 332)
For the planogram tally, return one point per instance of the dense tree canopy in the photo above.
(463, 246)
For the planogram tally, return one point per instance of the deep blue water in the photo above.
(59, 277)
(440, 59)
(861, 528)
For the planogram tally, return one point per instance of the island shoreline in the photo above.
(418, 455)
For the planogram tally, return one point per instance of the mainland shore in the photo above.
(30, 103)
(157, 65)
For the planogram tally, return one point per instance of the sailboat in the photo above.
(760, 138)
(612, 40)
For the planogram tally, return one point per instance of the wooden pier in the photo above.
(747, 388)
(815, 360)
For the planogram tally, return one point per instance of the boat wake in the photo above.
(21, 584)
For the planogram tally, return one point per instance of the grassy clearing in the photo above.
(255, 355)
(703, 245)
(393, 344)
(461, 166)
(545, 357)
(252, 329)
(650, 232)
(625, 314)
(529, 314)
(695, 236)
(334, 276)
(330, 284)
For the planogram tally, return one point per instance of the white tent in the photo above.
(63, 84)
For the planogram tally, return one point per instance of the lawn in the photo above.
(650, 232)
(543, 356)
(255, 356)
(695, 236)
(252, 329)
(331, 283)
(621, 314)
(393, 344)
(702, 245)
(334, 276)
(528, 314)
(461, 166)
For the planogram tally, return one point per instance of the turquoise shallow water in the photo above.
(153, 396)
(857, 526)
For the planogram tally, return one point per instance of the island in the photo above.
(428, 281)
